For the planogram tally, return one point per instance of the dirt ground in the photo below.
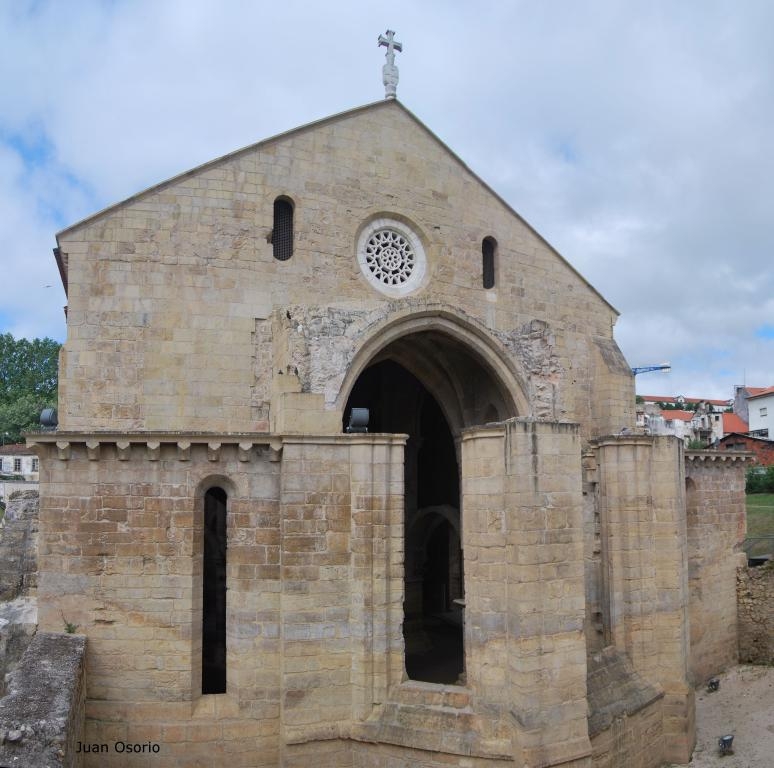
(744, 707)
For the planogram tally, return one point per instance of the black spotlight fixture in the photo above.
(725, 745)
(48, 419)
(358, 420)
(713, 685)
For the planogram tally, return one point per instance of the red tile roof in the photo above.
(16, 449)
(672, 415)
(759, 392)
(732, 423)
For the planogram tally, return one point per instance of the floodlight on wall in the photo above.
(725, 745)
(358, 420)
(48, 418)
(713, 685)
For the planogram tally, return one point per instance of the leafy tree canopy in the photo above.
(760, 480)
(28, 383)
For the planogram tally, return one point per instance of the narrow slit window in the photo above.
(214, 593)
(282, 234)
(488, 251)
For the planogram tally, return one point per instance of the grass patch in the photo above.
(760, 521)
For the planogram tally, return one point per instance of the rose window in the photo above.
(391, 257)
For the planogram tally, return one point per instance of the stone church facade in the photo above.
(494, 571)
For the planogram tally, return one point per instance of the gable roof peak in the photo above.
(387, 103)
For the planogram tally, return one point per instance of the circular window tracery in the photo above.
(391, 257)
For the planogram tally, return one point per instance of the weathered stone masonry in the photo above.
(756, 614)
(197, 362)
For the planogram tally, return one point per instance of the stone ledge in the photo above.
(41, 717)
(439, 718)
(722, 456)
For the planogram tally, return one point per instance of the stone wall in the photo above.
(715, 514)
(18, 579)
(18, 624)
(121, 551)
(314, 574)
(643, 574)
(755, 588)
(625, 714)
(18, 545)
(524, 580)
(171, 294)
(41, 716)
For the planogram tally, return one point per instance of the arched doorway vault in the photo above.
(445, 337)
(431, 383)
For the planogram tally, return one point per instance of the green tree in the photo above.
(28, 383)
(760, 480)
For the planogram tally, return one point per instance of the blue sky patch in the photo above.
(567, 151)
(34, 148)
(765, 332)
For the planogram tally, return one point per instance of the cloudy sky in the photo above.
(637, 138)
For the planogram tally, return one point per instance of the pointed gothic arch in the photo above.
(431, 376)
(443, 350)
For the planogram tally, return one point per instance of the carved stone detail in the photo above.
(93, 449)
(63, 449)
(184, 450)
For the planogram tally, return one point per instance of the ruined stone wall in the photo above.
(41, 715)
(755, 589)
(171, 292)
(715, 511)
(18, 579)
(18, 545)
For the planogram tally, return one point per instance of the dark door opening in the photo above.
(214, 593)
(432, 626)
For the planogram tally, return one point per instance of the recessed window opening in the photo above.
(282, 234)
(214, 592)
(488, 252)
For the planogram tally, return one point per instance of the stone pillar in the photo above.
(716, 519)
(341, 528)
(524, 577)
(644, 546)
(377, 569)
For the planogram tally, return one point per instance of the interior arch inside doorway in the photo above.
(430, 387)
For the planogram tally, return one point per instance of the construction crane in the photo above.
(649, 368)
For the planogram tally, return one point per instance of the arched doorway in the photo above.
(430, 386)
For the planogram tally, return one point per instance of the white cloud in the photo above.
(634, 137)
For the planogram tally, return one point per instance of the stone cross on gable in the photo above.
(389, 70)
